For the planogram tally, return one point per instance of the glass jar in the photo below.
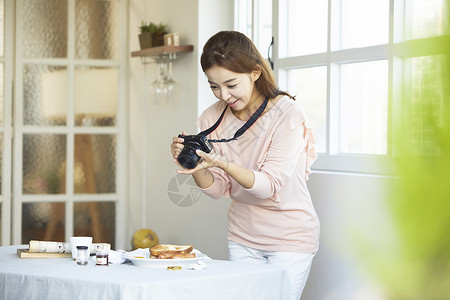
(102, 258)
(82, 255)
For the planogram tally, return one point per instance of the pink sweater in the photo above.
(276, 214)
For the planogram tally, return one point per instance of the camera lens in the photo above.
(188, 158)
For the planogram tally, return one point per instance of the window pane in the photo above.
(97, 29)
(310, 87)
(96, 219)
(303, 27)
(363, 108)
(45, 28)
(427, 17)
(45, 95)
(263, 32)
(243, 17)
(95, 163)
(2, 27)
(426, 104)
(2, 92)
(43, 221)
(1, 222)
(1, 162)
(364, 23)
(44, 163)
(95, 96)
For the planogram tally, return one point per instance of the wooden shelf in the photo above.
(162, 50)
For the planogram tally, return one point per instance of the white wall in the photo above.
(202, 224)
(344, 202)
(213, 16)
(352, 213)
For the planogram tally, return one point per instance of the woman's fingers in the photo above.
(176, 146)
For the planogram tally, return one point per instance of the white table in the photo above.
(62, 278)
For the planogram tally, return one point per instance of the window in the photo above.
(311, 85)
(363, 108)
(362, 23)
(348, 63)
(425, 95)
(302, 21)
(254, 19)
(425, 19)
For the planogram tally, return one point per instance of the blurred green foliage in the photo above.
(419, 200)
(415, 264)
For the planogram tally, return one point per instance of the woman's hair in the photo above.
(235, 52)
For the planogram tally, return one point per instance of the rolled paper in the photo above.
(61, 247)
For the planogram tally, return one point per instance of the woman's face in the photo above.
(237, 89)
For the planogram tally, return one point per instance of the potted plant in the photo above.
(151, 34)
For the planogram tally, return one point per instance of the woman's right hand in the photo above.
(177, 146)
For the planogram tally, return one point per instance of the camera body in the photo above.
(188, 158)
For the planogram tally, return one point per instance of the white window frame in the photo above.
(395, 51)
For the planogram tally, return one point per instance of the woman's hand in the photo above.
(176, 147)
(207, 160)
(204, 178)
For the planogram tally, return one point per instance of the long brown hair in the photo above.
(235, 52)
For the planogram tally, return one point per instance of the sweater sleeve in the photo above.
(221, 185)
(291, 147)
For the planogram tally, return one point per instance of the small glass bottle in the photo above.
(102, 258)
(82, 255)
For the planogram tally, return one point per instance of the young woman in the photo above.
(264, 171)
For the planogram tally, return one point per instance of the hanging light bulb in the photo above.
(164, 90)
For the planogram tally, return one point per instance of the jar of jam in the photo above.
(102, 258)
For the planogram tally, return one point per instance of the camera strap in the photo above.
(241, 130)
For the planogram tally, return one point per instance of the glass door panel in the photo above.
(96, 34)
(95, 164)
(44, 163)
(43, 103)
(2, 91)
(2, 31)
(67, 125)
(95, 96)
(96, 219)
(43, 221)
(45, 25)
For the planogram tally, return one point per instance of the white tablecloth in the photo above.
(62, 278)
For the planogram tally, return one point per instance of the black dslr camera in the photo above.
(188, 158)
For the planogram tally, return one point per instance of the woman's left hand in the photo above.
(208, 160)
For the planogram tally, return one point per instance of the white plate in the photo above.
(164, 263)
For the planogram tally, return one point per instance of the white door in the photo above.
(68, 146)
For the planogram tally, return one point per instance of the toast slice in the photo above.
(164, 249)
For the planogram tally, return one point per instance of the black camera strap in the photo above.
(241, 130)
